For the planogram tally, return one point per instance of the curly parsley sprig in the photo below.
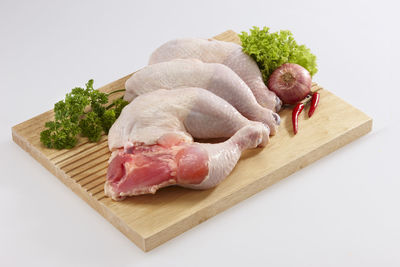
(71, 117)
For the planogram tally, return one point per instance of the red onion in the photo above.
(291, 82)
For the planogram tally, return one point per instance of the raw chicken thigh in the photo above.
(227, 53)
(152, 142)
(215, 77)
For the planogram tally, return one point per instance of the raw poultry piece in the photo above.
(152, 142)
(215, 77)
(227, 53)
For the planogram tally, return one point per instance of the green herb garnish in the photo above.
(72, 118)
(271, 50)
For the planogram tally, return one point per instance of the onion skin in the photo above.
(290, 82)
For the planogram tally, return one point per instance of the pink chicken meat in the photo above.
(214, 77)
(152, 142)
(227, 53)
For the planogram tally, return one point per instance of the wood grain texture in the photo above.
(151, 220)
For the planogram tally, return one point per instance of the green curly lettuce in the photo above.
(271, 50)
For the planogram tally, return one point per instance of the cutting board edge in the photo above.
(78, 190)
(258, 185)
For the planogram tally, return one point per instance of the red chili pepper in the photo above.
(295, 116)
(314, 104)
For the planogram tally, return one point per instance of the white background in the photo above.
(342, 210)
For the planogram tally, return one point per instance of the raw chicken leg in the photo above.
(215, 77)
(153, 147)
(227, 53)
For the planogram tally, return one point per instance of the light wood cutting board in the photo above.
(151, 220)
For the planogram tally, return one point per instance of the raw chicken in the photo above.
(153, 147)
(215, 77)
(227, 53)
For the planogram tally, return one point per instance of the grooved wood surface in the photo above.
(151, 220)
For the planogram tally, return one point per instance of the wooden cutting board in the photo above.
(151, 220)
